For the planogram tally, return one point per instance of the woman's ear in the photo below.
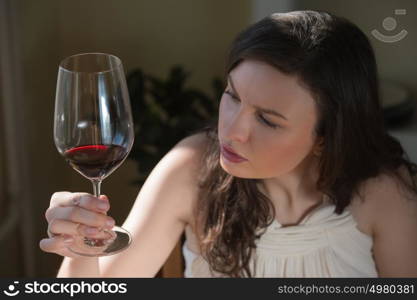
(318, 147)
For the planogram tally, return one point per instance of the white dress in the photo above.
(323, 244)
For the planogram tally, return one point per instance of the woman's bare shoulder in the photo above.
(392, 210)
(193, 145)
(379, 196)
(190, 151)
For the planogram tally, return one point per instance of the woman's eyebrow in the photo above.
(264, 110)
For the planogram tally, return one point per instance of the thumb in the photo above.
(104, 197)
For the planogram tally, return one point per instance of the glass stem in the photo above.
(96, 187)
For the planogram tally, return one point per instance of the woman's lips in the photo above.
(230, 155)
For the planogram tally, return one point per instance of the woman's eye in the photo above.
(266, 122)
(261, 119)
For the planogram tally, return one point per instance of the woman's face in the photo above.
(273, 145)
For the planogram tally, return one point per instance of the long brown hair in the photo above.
(335, 61)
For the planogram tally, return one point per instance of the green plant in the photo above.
(164, 112)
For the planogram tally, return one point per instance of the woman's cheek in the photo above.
(274, 148)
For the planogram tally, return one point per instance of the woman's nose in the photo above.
(238, 129)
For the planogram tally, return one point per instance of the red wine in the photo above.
(95, 161)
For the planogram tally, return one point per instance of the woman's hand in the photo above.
(72, 214)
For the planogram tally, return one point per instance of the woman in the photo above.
(297, 178)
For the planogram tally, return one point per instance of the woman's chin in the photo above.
(235, 170)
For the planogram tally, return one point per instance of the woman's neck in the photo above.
(294, 189)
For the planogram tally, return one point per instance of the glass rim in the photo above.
(110, 69)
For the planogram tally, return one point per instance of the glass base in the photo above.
(118, 240)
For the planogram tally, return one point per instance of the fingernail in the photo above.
(103, 205)
(110, 223)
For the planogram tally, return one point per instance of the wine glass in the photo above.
(93, 130)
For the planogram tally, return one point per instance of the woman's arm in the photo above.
(158, 217)
(394, 228)
(79, 267)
